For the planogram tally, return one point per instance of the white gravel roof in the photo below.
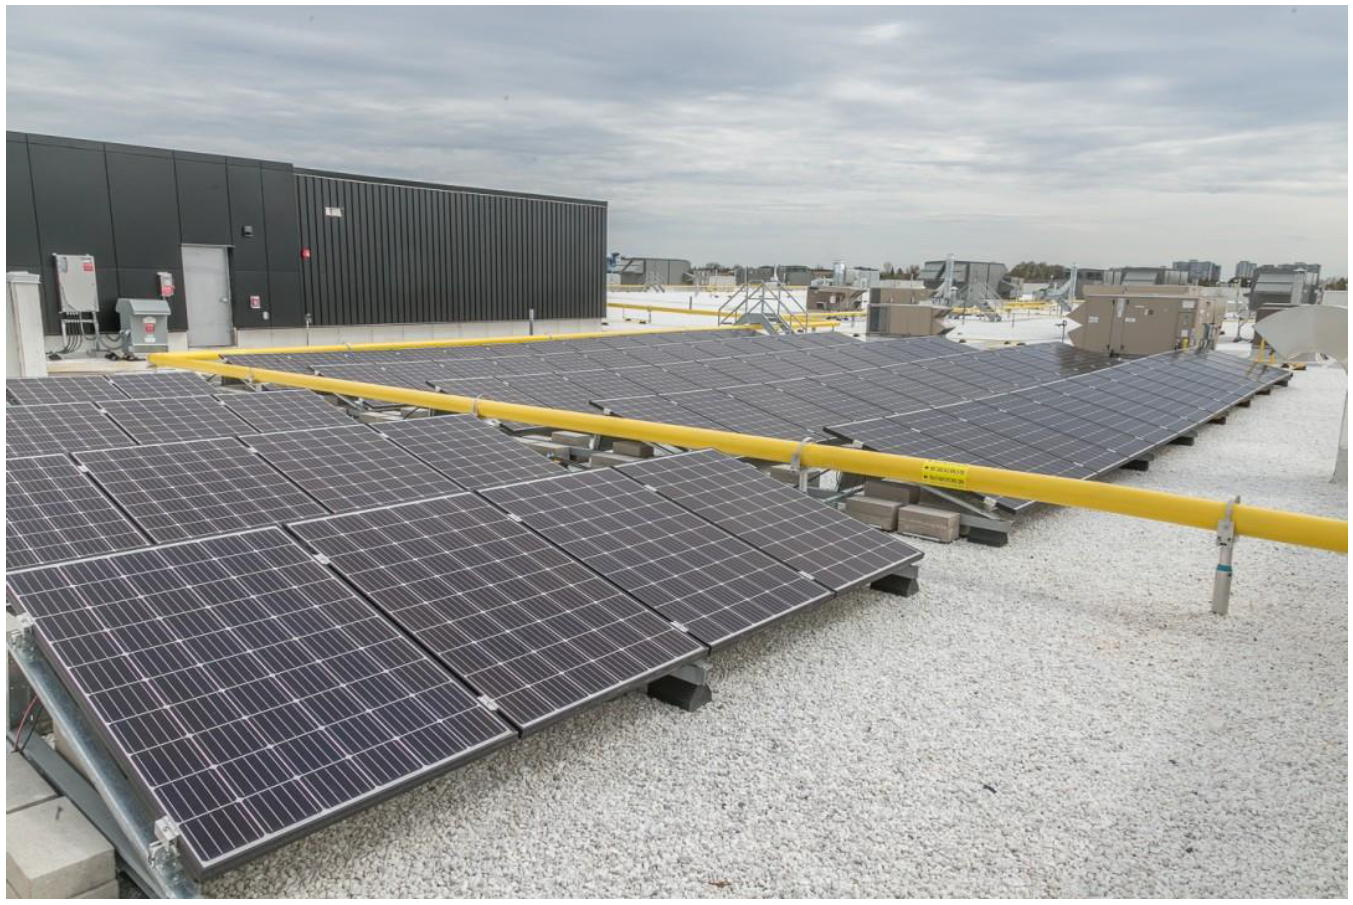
(1062, 716)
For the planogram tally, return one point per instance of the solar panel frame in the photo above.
(56, 390)
(64, 427)
(710, 584)
(656, 408)
(54, 512)
(196, 488)
(283, 410)
(351, 467)
(162, 386)
(472, 453)
(808, 536)
(517, 619)
(169, 420)
(740, 417)
(258, 710)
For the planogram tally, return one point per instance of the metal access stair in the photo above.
(767, 304)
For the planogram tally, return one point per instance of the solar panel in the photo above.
(809, 418)
(845, 406)
(804, 534)
(53, 512)
(607, 384)
(469, 451)
(489, 388)
(520, 621)
(284, 410)
(168, 420)
(552, 391)
(656, 408)
(739, 416)
(246, 690)
(49, 390)
(711, 584)
(348, 468)
(161, 386)
(36, 430)
(195, 488)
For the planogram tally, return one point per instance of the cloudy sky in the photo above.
(1105, 136)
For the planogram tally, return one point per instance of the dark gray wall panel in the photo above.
(284, 299)
(70, 194)
(144, 201)
(204, 201)
(21, 222)
(279, 216)
(245, 187)
(248, 283)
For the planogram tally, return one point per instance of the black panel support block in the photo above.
(988, 537)
(687, 688)
(899, 584)
(1184, 440)
(1138, 465)
(1266, 390)
(1220, 419)
(1244, 403)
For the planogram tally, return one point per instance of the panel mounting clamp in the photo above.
(795, 463)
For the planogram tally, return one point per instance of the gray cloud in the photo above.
(1103, 135)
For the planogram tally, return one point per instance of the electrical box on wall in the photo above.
(77, 284)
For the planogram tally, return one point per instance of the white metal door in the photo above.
(206, 287)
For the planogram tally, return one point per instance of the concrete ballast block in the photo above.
(784, 473)
(926, 521)
(603, 459)
(23, 786)
(53, 852)
(108, 890)
(572, 438)
(636, 448)
(887, 489)
(871, 511)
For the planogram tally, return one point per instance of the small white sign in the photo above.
(333, 212)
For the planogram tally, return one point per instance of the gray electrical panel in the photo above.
(77, 284)
(144, 325)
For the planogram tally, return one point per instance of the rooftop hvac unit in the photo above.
(907, 320)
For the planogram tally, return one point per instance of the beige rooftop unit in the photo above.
(908, 320)
(1146, 319)
(834, 298)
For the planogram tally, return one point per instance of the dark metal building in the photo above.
(345, 250)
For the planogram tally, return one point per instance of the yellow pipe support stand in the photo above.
(1251, 521)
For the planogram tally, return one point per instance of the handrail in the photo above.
(1252, 521)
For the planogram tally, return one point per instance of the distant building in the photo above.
(667, 271)
(1199, 271)
(1245, 270)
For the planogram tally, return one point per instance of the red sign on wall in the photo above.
(255, 302)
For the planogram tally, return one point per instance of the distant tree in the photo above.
(1339, 285)
(887, 267)
(1039, 271)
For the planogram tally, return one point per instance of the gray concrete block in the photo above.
(572, 438)
(887, 489)
(603, 459)
(636, 448)
(108, 890)
(926, 521)
(53, 852)
(785, 473)
(23, 786)
(871, 511)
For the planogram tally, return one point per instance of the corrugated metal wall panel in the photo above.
(414, 254)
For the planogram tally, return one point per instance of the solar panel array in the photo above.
(53, 512)
(161, 385)
(46, 390)
(522, 622)
(245, 689)
(254, 690)
(1081, 426)
(713, 585)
